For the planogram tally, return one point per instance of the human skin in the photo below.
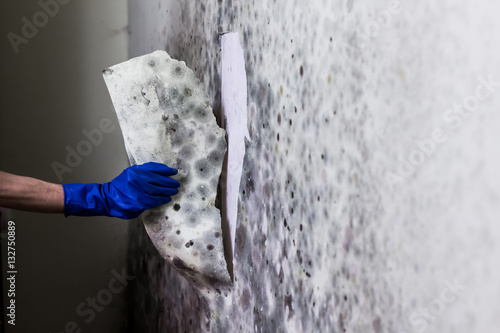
(30, 194)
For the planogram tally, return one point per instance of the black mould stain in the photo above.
(240, 239)
(245, 299)
(178, 71)
(301, 71)
(177, 207)
(288, 303)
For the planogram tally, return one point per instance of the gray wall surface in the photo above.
(370, 195)
(50, 91)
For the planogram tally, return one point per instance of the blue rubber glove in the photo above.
(136, 189)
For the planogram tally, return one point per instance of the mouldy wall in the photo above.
(326, 242)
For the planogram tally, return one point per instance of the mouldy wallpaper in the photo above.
(369, 198)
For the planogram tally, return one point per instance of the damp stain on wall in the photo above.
(323, 242)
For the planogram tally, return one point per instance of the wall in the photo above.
(50, 91)
(369, 198)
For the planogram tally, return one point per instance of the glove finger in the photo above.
(159, 180)
(158, 168)
(155, 201)
(159, 191)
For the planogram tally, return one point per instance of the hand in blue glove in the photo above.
(136, 189)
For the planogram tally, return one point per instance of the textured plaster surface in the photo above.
(337, 230)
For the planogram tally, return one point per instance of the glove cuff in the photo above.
(84, 200)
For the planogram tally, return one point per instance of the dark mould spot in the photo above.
(292, 194)
(278, 137)
(210, 247)
(186, 152)
(301, 227)
(193, 219)
(166, 217)
(288, 303)
(202, 168)
(151, 63)
(177, 207)
(178, 232)
(245, 299)
(301, 71)
(308, 275)
(279, 118)
(107, 71)
(176, 139)
(345, 297)
(201, 113)
(240, 239)
(284, 222)
(190, 243)
(177, 70)
(215, 157)
(217, 234)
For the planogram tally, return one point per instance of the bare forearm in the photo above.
(25, 193)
